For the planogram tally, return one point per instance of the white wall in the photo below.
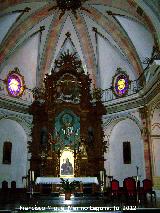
(141, 38)
(110, 58)
(123, 131)
(6, 22)
(25, 58)
(12, 131)
(68, 27)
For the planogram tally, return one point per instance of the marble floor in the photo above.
(81, 203)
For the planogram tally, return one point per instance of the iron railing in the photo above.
(135, 86)
(107, 94)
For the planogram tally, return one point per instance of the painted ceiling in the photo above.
(87, 27)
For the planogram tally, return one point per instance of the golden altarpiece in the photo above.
(67, 134)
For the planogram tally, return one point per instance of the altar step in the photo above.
(54, 203)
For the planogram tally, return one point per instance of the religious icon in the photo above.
(66, 130)
(67, 168)
(120, 83)
(83, 151)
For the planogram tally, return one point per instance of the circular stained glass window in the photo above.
(15, 84)
(120, 84)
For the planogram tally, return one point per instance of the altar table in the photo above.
(57, 180)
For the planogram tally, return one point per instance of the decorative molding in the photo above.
(154, 105)
(113, 119)
(125, 104)
(155, 125)
(155, 136)
(144, 97)
(69, 5)
(25, 120)
(13, 104)
(59, 117)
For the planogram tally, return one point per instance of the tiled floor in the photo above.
(45, 204)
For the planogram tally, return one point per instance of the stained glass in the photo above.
(14, 84)
(121, 84)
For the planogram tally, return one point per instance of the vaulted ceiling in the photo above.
(131, 28)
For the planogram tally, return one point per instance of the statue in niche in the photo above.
(67, 168)
(90, 135)
(83, 151)
(43, 136)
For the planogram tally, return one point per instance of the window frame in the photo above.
(7, 152)
(127, 152)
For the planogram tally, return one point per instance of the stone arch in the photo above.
(12, 131)
(131, 132)
(112, 121)
(24, 123)
(154, 106)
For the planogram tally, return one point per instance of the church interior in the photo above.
(79, 105)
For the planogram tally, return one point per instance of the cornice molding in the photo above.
(16, 105)
(124, 105)
(25, 120)
(110, 119)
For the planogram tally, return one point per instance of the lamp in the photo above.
(66, 5)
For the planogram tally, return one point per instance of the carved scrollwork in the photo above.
(69, 60)
(71, 120)
(68, 89)
(38, 93)
(97, 94)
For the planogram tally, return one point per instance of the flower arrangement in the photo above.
(69, 186)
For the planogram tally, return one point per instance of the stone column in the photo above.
(144, 113)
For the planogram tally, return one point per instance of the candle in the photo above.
(27, 182)
(32, 175)
(101, 176)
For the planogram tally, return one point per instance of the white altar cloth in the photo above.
(57, 180)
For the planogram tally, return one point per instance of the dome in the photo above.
(103, 34)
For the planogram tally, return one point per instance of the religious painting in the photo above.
(66, 130)
(67, 163)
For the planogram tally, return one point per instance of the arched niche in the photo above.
(13, 132)
(125, 130)
(67, 163)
